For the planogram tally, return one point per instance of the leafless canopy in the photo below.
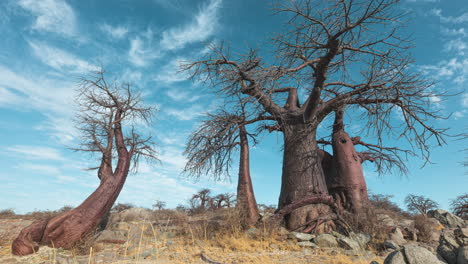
(336, 53)
(210, 148)
(104, 106)
(419, 204)
(459, 206)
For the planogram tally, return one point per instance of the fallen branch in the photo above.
(208, 260)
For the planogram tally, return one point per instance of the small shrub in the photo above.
(7, 213)
(425, 228)
(121, 206)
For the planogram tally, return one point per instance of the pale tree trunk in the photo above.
(245, 194)
(68, 229)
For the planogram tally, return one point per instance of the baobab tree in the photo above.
(106, 119)
(343, 171)
(333, 54)
(210, 149)
(420, 204)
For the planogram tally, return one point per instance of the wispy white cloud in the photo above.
(463, 18)
(200, 29)
(464, 100)
(116, 32)
(51, 16)
(187, 114)
(40, 168)
(141, 51)
(181, 96)
(454, 32)
(35, 152)
(8, 98)
(59, 59)
(456, 69)
(457, 45)
(170, 73)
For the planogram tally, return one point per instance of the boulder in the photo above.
(447, 219)
(300, 236)
(412, 255)
(348, 243)
(397, 236)
(326, 240)
(448, 246)
(307, 244)
(391, 244)
(362, 239)
(386, 220)
(462, 255)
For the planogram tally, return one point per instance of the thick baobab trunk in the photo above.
(302, 174)
(345, 177)
(67, 230)
(245, 195)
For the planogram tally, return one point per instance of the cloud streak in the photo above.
(51, 16)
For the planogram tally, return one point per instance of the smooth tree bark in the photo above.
(104, 108)
(246, 202)
(321, 42)
(343, 173)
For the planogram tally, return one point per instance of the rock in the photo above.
(462, 236)
(448, 246)
(300, 236)
(385, 220)
(113, 236)
(307, 244)
(374, 262)
(326, 240)
(391, 244)
(362, 239)
(407, 223)
(447, 219)
(348, 243)
(462, 255)
(397, 236)
(412, 255)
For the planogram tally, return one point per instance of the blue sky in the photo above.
(47, 45)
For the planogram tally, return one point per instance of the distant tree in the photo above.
(181, 208)
(200, 201)
(419, 204)
(108, 112)
(121, 206)
(336, 53)
(459, 206)
(159, 205)
(223, 200)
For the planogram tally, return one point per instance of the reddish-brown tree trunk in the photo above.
(344, 174)
(67, 229)
(302, 174)
(245, 195)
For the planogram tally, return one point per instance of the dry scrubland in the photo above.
(139, 235)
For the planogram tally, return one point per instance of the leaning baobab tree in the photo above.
(209, 150)
(330, 54)
(105, 109)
